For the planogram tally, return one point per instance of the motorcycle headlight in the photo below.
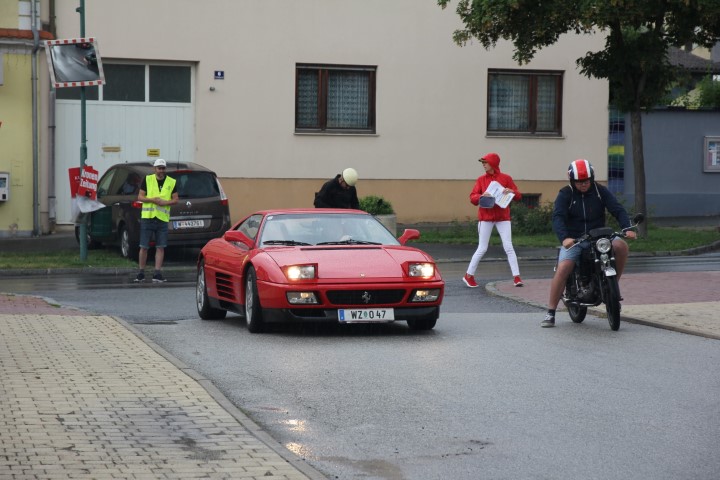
(603, 245)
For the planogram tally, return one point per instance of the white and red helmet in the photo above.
(580, 170)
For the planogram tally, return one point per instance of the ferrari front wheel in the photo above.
(426, 324)
(253, 310)
(202, 300)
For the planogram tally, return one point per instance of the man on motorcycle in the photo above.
(579, 208)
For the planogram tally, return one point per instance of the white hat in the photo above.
(350, 176)
(160, 163)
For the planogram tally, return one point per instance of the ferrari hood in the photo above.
(340, 262)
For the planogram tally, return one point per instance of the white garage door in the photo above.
(141, 108)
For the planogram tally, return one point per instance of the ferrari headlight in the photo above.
(603, 245)
(302, 298)
(300, 272)
(428, 295)
(421, 269)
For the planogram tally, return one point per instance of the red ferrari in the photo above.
(317, 265)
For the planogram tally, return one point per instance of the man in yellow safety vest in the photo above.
(157, 193)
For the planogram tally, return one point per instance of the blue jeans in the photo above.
(152, 227)
(572, 253)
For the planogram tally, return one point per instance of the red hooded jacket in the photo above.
(496, 213)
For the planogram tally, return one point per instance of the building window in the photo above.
(127, 83)
(124, 83)
(334, 99)
(73, 93)
(169, 84)
(524, 103)
(530, 200)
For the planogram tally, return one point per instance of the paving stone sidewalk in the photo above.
(87, 396)
(684, 302)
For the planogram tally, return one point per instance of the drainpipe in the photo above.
(52, 201)
(36, 176)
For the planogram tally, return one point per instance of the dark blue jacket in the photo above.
(577, 213)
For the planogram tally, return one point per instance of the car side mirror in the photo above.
(237, 236)
(409, 234)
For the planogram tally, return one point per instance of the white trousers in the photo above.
(484, 231)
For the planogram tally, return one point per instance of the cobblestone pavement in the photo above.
(87, 396)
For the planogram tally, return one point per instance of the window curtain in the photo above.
(546, 102)
(508, 109)
(307, 99)
(348, 99)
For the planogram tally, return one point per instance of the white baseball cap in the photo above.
(160, 163)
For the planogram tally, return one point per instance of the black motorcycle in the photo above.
(594, 280)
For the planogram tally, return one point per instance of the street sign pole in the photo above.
(83, 143)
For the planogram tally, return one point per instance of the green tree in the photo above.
(634, 61)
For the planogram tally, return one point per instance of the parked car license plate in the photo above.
(188, 224)
(366, 315)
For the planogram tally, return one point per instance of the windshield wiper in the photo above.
(350, 242)
(284, 242)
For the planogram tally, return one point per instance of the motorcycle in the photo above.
(594, 279)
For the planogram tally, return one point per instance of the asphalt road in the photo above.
(487, 394)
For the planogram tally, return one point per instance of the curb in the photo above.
(252, 427)
(599, 312)
(715, 246)
(88, 270)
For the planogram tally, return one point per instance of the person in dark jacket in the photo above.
(492, 216)
(339, 192)
(579, 208)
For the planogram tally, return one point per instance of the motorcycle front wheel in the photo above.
(612, 302)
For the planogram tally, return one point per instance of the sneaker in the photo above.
(549, 321)
(518, 281)
(158, 278)
(140, 277)
(469, 280)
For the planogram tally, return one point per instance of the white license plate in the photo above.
(188, 224)
(364, 315)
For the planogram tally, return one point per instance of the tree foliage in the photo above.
(638, 36)
(705, 95)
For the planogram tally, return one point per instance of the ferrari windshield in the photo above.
(324, 229)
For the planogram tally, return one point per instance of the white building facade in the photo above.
(278, 96)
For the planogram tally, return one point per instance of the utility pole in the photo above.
(83, 142)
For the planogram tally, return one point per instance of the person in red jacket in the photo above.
(491, 215)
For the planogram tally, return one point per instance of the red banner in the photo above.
(74, 180)
(83, 183)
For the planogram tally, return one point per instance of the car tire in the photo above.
(202, 301)
(426, 324)
(253, 310)
(128, 249)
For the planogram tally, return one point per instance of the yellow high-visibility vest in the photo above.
(150, 210)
